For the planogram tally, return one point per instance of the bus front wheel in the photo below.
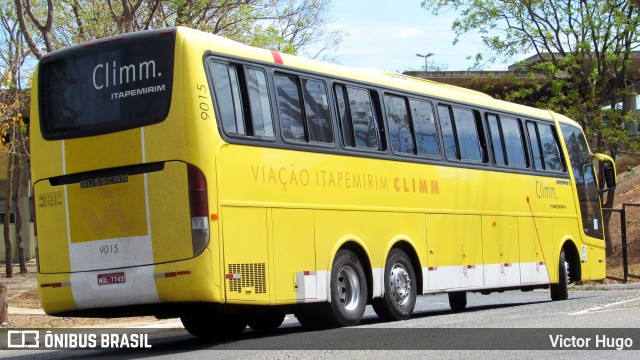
(400, 291)
(348, 290)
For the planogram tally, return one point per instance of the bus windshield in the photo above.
(585, 180)
(108, 86)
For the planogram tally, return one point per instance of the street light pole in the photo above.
(426, 60)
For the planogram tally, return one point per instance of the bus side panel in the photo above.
(534, 256)
(246, 254)
(463, 251)
(500, 250)
(436, 279)
(455, 252)
(294, 260)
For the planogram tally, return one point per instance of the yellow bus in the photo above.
(177, 173)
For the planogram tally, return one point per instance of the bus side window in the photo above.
(448, 132)
(546, 152)
(424, 125)
(229, 99)
(357, 117)
(535, 145)
(467, 133)
(365, 130)
(507, 144)
(260, 105)
(550, 148)
(317, 111)
(514, 142)
(399, 124)
(343, 113)
(290, 108)
(497, 143)
(461, 136)
(304, 109)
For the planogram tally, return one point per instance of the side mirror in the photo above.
(608, 172)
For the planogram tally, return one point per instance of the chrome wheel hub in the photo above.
(348, 288)
(400, 284)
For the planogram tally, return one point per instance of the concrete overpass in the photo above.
(494, 83)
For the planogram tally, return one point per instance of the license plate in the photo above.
(113, 278)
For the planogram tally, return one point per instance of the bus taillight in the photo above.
(199, 206)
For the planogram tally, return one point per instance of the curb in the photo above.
(632, 286)
(24, 311)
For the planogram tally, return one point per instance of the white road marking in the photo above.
(603, 307)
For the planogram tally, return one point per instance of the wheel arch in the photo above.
(572, 257)
(363, 255)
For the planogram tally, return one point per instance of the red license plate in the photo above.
(113, 278)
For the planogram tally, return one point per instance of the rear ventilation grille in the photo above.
(248, 276)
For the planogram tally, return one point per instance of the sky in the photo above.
(387, 35)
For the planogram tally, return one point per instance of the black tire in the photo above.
(400, 288)
(312, 316)
(560, 291)
(348, 287)
(213, 326)
(458, 300)
(266, 321)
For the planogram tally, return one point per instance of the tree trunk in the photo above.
(4, 306)
(18, 210)
(7, 217)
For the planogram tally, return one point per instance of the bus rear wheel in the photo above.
(560, 291)
(208, 325)
(266, 320)
(400, 291)
(348, 287)
(458, 300)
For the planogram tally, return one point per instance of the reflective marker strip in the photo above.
(56, 285)
(276, 57)
(232, 276)
(171, 274)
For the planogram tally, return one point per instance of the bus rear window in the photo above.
(110, 86)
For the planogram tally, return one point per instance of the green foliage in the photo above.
(290, 26)
(581, 52)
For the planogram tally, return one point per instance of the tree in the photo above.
(12, 58)
(581, 50)
(284, 25)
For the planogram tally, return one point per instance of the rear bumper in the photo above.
(174, 282)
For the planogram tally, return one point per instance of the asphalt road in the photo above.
(506, 325)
